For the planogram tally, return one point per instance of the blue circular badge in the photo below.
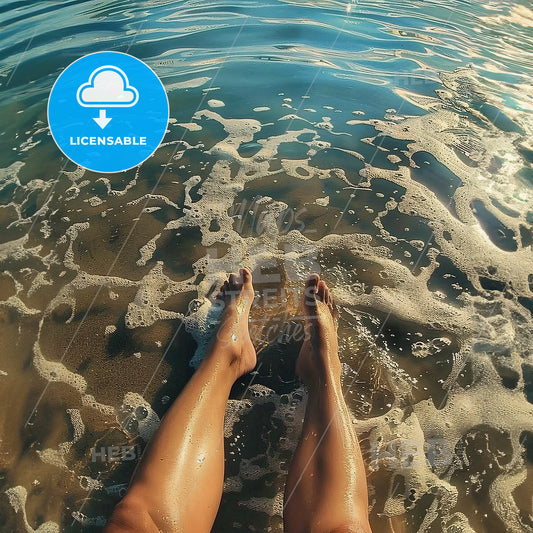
(108, 112)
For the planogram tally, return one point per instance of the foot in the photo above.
(232, 339)
(318, 359)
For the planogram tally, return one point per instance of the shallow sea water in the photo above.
(385, 145)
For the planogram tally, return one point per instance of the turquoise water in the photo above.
(386, 145)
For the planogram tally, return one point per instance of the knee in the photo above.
(352, 528)
(130, 515)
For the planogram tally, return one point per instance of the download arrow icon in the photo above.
(102, 120)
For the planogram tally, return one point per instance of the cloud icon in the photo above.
(108, 86)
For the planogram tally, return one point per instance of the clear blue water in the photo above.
(386, 145)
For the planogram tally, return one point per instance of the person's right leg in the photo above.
(326, 487)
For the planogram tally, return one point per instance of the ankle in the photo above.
(230, 359)
(218, 371)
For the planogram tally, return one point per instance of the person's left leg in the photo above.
(178, 484)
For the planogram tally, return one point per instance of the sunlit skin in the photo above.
(326, 487)
(178, 484)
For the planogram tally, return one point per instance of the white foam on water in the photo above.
(153, 290)
(15, 304)
(215, 103)
(17, 499)
(137, 417)
(191, 126)
(189, 84)
(55, 371)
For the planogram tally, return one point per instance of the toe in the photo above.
(234, 282)
(311, 287)
(312, 280)
(329, 299)
(322, 291)
(246, 277)
(221, 294)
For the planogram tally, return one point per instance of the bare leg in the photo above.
(178, 485)
(326, 487)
